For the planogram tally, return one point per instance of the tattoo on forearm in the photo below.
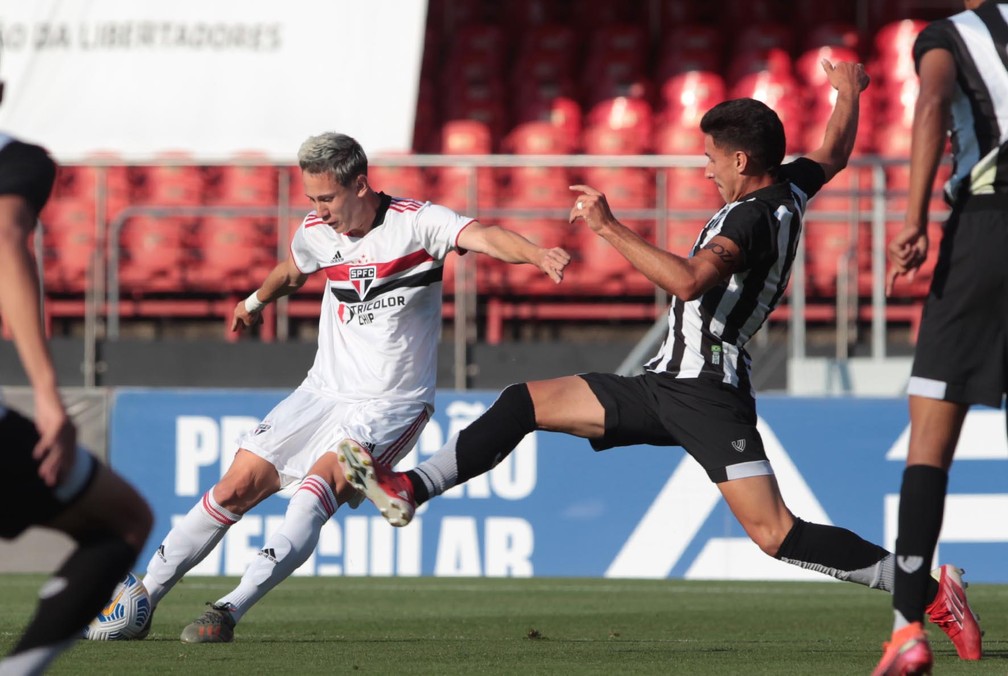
(721, 252)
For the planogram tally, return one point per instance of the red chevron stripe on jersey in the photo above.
(341, 273)
(402, 205)
(312, 219)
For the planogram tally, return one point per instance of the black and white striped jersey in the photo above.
(707, 336)
(978, 40)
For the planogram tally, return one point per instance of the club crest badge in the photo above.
(362, 277)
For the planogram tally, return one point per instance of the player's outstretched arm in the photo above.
(849, 79)
(510, 247)
(685, 278)
(283, 280)
(19, 303)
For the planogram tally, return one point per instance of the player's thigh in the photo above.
(567, 405)
(249, 480)
(108, 504)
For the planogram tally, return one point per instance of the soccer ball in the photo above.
(125, 616)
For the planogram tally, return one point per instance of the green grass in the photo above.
(507, 626)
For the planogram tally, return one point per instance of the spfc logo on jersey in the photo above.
(362, 277)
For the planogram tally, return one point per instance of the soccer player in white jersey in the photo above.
(373, 379)
(50, 481)
(696, 392)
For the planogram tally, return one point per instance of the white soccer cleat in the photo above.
(390, 491)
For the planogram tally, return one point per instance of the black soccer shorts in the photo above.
(962, 348)
(26, 500)
(714, 422)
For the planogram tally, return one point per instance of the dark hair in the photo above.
(335, 154)
(747, 125)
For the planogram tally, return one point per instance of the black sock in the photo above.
(921, 508)
(830, 549)
(488, 440)
(85, 583)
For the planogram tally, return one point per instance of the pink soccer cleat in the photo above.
(907, 653)
(951, 612)
(390, 491)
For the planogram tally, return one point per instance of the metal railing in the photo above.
(103, 309)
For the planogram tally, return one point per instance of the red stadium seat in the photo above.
(625, 188)
(68, 228)
(765, 35)
(534, 187)
(243, 184)
(632, 114)
(537, 138)
(678, 138)
(894, 47)
(687, 96)
(826, 245)
(236, 253)
(832, 34)
(689, 189)
(466, 137)
(154, 255)
(398, 181)
(604, 140)
(170, 185)
(550, 103)
(773, 61)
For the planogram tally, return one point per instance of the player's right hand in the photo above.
(907, 252)
(553, 261)
(242, 317)
(56, 448)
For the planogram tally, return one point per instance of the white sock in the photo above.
(311, 506)
(33, 661)
(440, 471)
(187, 544)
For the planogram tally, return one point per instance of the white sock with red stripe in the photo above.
(285, 550)
(187, 544)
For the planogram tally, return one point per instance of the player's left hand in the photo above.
(591, 205)
(845, 75)
(553, 261)
(56, 448)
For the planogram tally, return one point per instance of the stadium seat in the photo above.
(827, 243)
(170, 184)
(398, 181)
(678, 137)
(553, 103)
(242, 184)
(622, 113)
(604, 140)
(234, 253)
(68, 228)
(466, 137)
(687, 96)
(765, 35)
(689, 189)
(624, 187)
(894, 48)
(539, 187)
(537, 138)
(772, 61)
(154, 255)
(837, 34)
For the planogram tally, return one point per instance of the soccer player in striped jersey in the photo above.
(961, 356)
(374, 373)
(50, 481)
(696, 392)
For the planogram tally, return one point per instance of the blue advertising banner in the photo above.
(554, 507)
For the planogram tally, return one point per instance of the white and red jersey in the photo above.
(381, 312)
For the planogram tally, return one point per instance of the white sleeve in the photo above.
(438, 228)
(304, 259)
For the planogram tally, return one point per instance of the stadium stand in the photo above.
(540, 78)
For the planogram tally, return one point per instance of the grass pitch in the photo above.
(511, 626)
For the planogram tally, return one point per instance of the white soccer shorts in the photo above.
(307, 424)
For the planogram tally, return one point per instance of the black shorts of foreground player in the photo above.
(696, 392)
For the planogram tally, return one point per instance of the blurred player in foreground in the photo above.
(49, 481)
(373, 378)
(962, 346)
(696, 392)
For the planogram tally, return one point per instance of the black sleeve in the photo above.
(807, 174)
(28, 171)
(936, 35)
(748, 225)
